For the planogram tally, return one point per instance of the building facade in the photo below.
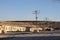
(28, 26)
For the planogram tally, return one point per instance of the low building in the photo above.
(27, 26)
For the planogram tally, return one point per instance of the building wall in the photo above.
(38, 29)
(21, 25)
(14, 28)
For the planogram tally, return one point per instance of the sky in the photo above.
(16, 10)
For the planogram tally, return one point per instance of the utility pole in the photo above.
(46, 19)
(36, 17)
(36, 13)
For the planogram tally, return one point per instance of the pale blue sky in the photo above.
(23, 9)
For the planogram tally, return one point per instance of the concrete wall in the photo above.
(21, 25)
(38, 29)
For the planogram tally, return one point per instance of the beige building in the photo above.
(28, 26)
(18, 26)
